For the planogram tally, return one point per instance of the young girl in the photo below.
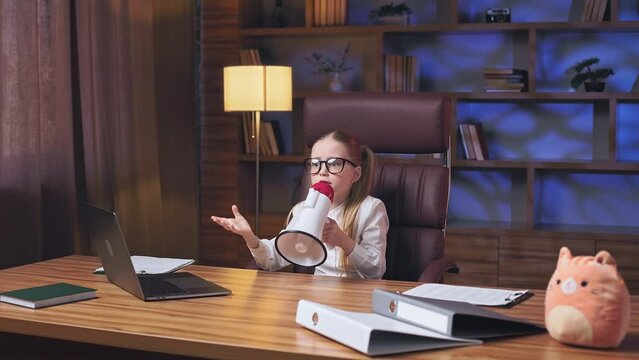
(355, 232)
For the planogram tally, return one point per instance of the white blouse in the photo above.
(368, 259)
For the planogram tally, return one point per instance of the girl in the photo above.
(355, 232)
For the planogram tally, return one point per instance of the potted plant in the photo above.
(591, 78)
(391, 14)
(331, 67)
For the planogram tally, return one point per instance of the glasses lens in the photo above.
(312, 166)
(335, 165)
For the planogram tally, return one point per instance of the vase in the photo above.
(392, 20)
(335, 82)
(278, 16)
(594, 86)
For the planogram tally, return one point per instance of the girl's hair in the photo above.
(364, 157)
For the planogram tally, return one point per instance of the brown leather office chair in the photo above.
(415, 195)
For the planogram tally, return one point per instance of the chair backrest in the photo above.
(415, 194)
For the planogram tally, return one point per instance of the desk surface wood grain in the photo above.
(256, 321)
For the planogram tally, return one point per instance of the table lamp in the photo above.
(257, 89)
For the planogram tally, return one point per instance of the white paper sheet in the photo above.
(155, 265)
(473, 295)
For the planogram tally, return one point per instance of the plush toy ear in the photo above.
(564, 256)
(603, 257)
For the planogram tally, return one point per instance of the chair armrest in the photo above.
(434, 272)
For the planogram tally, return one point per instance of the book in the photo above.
(154, 265)
(587, 9)
(468, 142)
(483, 143)
(47, 295)
(246, 131)
(330, 12)
(469, 294)
(343, 7)
(372, 334)
(279, 141)
(250, 57)
(451, 318)
(464, 141)
(474, 139)
(600, 11)
(269, 135)
(577, 13)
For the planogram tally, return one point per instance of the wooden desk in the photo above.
(256, 321)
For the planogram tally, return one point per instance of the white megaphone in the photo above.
(301, 242)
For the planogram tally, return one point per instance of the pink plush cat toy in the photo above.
(587, 302)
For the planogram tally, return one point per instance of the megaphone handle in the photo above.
(311, 198)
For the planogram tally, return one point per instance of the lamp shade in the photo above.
(258, 88)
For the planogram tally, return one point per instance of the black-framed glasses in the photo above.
(334, 165)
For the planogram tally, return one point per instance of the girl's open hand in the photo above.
(237, 224)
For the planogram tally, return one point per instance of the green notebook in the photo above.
(47, 295)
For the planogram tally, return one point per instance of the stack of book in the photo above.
(401, 73)
(329, 12)
(250, 57)
(505, 80)
(270, 138)
(473, 141)
(594, 10)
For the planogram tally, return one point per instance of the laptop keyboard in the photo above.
(157, 286)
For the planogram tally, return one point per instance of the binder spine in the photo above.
(330, 323)
(395, 306)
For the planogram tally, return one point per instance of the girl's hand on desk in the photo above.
(238, 225)
(334, 236)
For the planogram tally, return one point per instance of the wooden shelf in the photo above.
(523, 96)
(376, 30)
(585, 232)
(547, 165)
(596, 231)
(536, 96)
(486, 227)
(288, 159)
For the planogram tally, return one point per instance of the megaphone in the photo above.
(300, 243)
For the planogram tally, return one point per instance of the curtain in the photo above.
(97, 104)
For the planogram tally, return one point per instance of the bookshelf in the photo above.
(550, 143)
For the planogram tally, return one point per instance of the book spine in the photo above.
(316, 12)
(386, 73)
(469, 142)
(343, 12)
(330, 12)
(246, 133)
(474, 138)
(482, 140)
(463, 140)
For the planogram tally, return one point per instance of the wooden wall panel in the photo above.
(526, 262)
(219, 140)
(477, 258)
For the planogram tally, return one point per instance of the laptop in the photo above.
(106, 236)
